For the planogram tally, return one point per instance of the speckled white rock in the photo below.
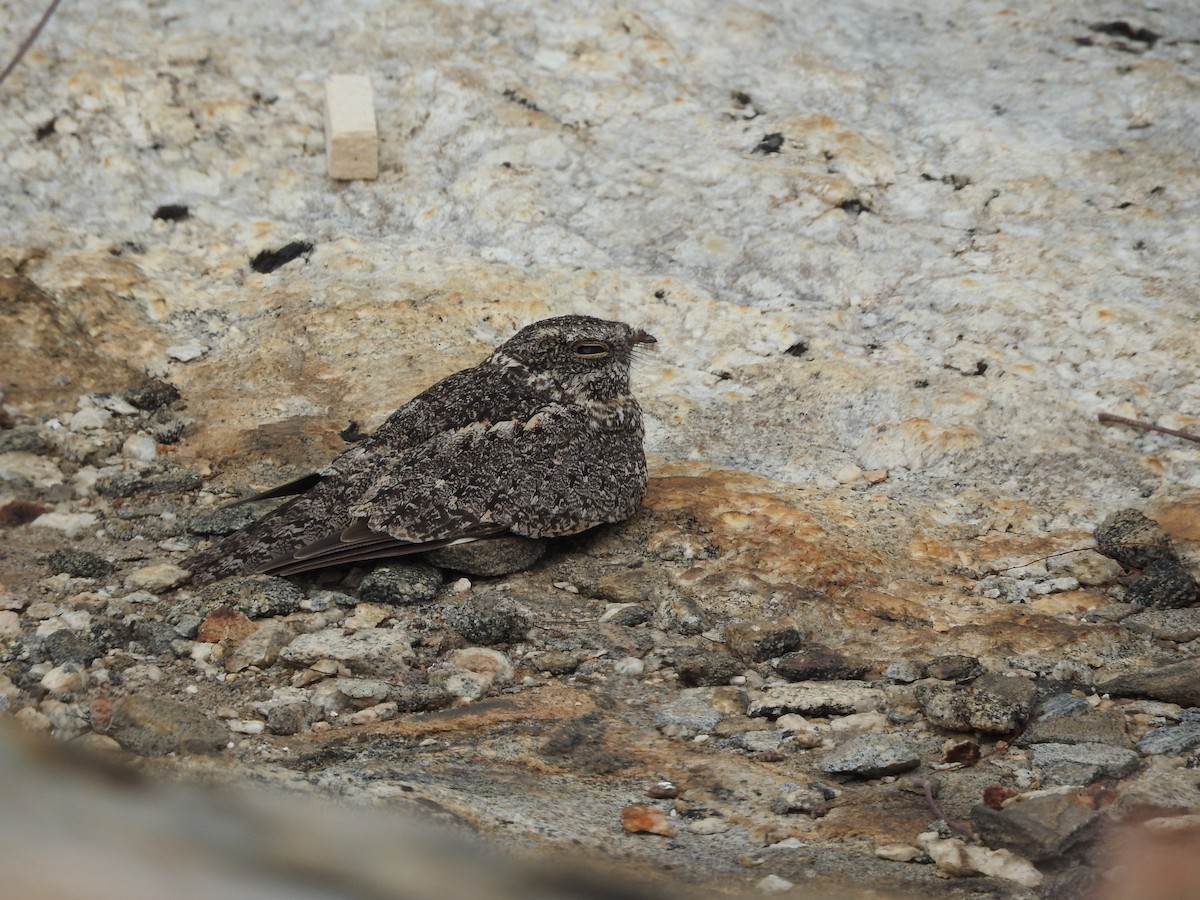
(70, 524)
(140, 446)
(374, 651)
(90, 418)
(157, 577)
(37, 470)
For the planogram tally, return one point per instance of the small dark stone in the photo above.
(771, 143)
(66, 645)
(351, 435)
(270, 260)
(155, 636)
(956, 668)
(46, 129)
(289, 718)
(1125, 30)
(111, 634)
(854, 206)
(169, 432)
(172, 212)
(1164, 584)
(20, 512)
(79, 564)
(166, 481)
(25, 440)
(151, 394)
(412, 698)
(708, 669)
(758, 641)
(401, 584)
(488, 619)
(630, 616)
(817, 663)
(1133, 540)
(255, 595)
(797, 349)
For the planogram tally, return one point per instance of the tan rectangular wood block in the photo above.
(351, 139)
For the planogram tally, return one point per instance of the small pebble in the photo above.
(160, 577)
(848, 474)
(141, 447)
(773, 884)
(629, 665)
(638, 819)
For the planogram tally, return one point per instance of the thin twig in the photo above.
(28, 42)
(1148, 426)
(956, 827)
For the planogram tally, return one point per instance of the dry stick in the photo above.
(927, 786)
(29, 40)
(1148, 426)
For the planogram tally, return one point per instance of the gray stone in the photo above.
(686, 715)
(954, 667)
(255, 595)
(152, 727)
(1167, 624)
(1174, 740)
(486, 559)
(289, 718)
(904, 671)
(712, 668)
(1162, 788)
(811, 801)
(995, 704)
(755, 741)
(1175, 683)
(757, 641)
(872, 755)
(375, 651)
(1040, 828)
(1107, 727)
(630, 615)
(79, 564)
(488, 619)
(1166, 584)
(1082, 763)
(260, 648)
(818, 663)
(1064, 704)
(401, 584)
(66, 644)
(817, 698)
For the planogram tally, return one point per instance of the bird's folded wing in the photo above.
(520, 474)
(359, 543)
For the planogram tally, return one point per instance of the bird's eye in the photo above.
(590, 349)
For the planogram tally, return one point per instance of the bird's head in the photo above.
(587, 358)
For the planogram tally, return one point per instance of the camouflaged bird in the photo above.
(542, 439)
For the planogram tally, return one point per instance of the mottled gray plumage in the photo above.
(542, 439)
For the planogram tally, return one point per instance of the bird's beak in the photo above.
(643, 337)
